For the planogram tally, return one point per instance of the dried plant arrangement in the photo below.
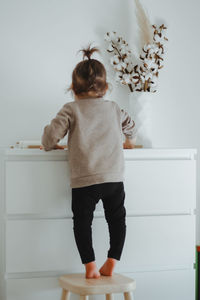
(144, 75)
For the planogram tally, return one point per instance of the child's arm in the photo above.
(57, 129)
(129, 130)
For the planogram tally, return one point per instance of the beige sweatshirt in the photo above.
(95, 128)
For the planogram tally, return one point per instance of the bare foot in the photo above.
(91, 270)
(108, 267)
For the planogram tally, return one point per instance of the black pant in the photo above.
(84, 200)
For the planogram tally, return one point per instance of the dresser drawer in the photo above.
(37, 187)
(150, 186)
(160, 185)
(151, 242)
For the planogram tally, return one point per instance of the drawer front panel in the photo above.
(150, 186)
(37, 187)
(160, 185)
(151, 243)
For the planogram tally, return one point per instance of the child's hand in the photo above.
(128, 144)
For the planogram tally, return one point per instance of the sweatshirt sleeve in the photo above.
(128, 125)
(57, 129)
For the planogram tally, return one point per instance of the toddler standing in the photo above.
(95, 128)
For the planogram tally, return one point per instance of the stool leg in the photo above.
(65, 295)
(109, 297)
(83, 297)
(128, 296)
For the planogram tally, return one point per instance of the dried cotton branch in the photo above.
(141, 77)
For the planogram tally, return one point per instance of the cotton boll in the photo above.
(159, 39)
(120, 66)
(163, 31)
(107, 37)
(159, 52)
(154, 81)
(152, 89)
(131, 64)
(121, 42)
(146, 47)
(122, 81)
(158, 49)
(154, 66)
(154, 49)
(154, 84)
(113, 36)
(161, 55)
(151, 51)
(142, 56)
(135, 78)
(127, 60)
(164, 47)
(148, 75)
(154, 70)
(118, 76)
(124, 49)
(110, 47)
(142, 77)
(156, 38)
(127, 78)
(149, 63)
(138, 85)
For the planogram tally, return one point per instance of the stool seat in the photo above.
(78, 284)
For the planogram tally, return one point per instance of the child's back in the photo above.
(95, 145)
(95, 140)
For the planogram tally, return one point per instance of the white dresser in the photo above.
(37, 242)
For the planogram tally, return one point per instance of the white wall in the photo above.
(39, 44)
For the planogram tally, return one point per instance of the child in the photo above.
(95, 146)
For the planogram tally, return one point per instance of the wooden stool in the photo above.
(108, 285)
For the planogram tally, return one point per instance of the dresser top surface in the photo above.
(129, 154)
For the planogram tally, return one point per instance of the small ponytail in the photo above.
(87, 52)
